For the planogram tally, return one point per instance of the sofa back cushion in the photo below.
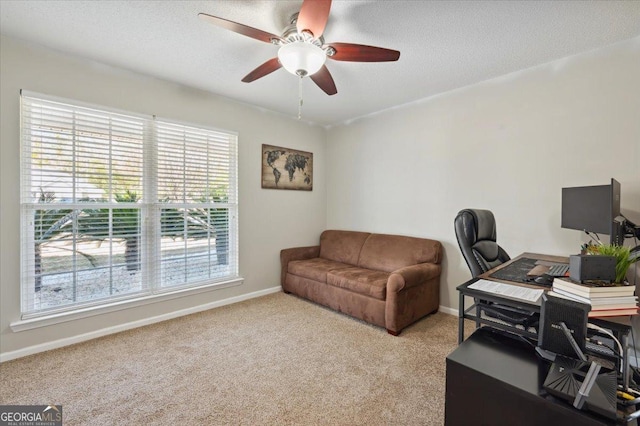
(342, 246)
(391, 252)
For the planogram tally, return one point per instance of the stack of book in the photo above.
(606, 300)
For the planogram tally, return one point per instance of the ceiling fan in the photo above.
(303, 50)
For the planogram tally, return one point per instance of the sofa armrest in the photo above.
(296, 253)
(412, 276)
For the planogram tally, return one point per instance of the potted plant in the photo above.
(622, 254)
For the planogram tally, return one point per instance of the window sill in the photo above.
(57, 318)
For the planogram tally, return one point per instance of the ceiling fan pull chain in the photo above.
(300, 98)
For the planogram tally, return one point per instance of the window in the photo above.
(117, 206)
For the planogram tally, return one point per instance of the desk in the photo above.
(621, 326)
(493, 379)
(473, 312)
(536, 256)
(616, 324)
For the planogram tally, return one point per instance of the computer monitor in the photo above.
(594, 209)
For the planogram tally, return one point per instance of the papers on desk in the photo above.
(514, 291)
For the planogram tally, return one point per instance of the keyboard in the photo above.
(558, 270)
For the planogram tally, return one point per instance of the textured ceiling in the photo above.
(444, 45)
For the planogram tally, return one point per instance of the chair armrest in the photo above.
(412, 276)
(296, 253)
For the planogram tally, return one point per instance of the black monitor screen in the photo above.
(591, 208)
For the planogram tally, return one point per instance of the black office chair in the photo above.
(476, 235)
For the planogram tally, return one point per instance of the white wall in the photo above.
(269, 219)
(407, 170)
(508, 145)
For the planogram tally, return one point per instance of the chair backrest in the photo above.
(476, 234)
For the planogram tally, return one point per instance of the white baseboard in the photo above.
(8, 356)
(447, 310)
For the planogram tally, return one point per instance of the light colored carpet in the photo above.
(272, 360)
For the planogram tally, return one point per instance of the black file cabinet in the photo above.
(494, 379)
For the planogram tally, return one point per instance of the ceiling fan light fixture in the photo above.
(301, 58)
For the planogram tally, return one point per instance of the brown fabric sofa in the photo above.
(387, 280)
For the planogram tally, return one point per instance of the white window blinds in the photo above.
(117, 206)
(196, 202)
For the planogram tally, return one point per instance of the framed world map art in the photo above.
(285, 168)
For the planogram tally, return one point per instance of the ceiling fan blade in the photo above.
(324, 81)
(267, 68)
(313, 16)
(361, 53)
(239, 28)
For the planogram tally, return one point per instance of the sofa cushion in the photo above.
(342, 246)
(315, 269)
(363, 281)
(391, 252)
